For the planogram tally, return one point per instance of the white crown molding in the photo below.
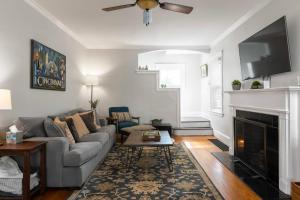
(54, 20)
(240, 21)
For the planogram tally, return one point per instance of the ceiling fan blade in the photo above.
(118, 7)
(176, 7)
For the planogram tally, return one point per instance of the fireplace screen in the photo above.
(250, 144)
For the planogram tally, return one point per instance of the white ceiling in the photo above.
(124, 29)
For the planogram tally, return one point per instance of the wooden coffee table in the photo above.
(135, 144)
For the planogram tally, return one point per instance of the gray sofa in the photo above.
(70, 165)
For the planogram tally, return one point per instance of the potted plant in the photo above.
(256, 85)
(94, 104)
(236, 85)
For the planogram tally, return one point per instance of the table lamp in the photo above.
(5, 99)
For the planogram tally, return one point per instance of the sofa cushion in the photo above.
(52, 130)
(31, 126)
(127, 124)
(81, 153)
(110, 129)
(103, 138)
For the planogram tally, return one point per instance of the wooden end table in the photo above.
(25, 150)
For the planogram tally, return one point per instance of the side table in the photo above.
(25, 150)
(164, 127)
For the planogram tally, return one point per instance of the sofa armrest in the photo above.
(55, 150)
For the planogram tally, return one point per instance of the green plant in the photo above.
(256, 85)
(94, 104)
(236, 82)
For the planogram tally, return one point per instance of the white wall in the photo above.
(269, 14)
(18, 24)
(191, 91)
(120, 85)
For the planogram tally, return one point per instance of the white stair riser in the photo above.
(183, 132)
(194, 124)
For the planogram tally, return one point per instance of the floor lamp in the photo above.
(92, 81)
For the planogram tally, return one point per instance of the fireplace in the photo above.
(256, 143)
(281, 108)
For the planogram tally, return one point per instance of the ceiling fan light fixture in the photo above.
(147, 4)
(147, 17)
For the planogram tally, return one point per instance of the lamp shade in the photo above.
(91, 80)
(5, 100)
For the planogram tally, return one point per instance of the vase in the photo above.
(236, 87)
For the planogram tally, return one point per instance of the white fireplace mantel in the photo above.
(284, 103)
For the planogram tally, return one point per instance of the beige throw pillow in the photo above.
(79, 124)
(64, 126)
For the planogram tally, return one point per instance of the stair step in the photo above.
(191, 131)
(196, 124)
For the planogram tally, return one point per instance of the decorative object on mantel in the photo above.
(48, 68)
(236, 85)
(92, 80)
(204, 70)
(145, 68)
(256, 85)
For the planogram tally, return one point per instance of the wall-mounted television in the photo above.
(266, 52)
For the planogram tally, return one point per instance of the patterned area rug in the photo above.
(148, 178)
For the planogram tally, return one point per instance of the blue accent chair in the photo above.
(124, 124)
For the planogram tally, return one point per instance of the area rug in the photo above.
(148, 178)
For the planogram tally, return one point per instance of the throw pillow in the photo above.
(94, 117)
(72, 128)
(67, 132)
(79, 124)
(121, 116)
(52, 129)
(88, 119)
(31, 126)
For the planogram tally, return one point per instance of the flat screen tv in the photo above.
(266, 53)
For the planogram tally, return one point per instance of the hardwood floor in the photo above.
(230, 186)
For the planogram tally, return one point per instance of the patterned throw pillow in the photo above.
(79, 124)
(121, 116)
(94, 118)
(88, 119)
(67, 132)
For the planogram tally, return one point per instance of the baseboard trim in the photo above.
(222, 137)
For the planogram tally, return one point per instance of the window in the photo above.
(216, 83)
(171, 75)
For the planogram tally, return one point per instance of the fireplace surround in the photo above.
(284, 104)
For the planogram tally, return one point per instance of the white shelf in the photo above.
(291, 88)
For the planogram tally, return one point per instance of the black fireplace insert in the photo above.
(256, 143)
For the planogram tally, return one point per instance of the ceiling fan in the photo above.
(148, 5)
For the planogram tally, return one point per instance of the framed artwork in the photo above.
(48, 68)
(204, 71)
